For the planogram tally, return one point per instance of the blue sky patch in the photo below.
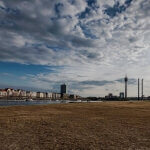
(22, 69)
(117, 8)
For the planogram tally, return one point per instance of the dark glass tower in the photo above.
(126, 81)
(63, 89)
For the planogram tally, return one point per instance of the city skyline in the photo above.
(88, 44)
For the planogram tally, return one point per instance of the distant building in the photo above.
(63, 89)
(16, 93)
(9, 91)
(23, 93)
(110, 96)
(28, 94)
(19, 92)
(65, 96)
(77, 97)
(121, 95)
(44, 95)
(53, 96)
(33, 94)
(3, 93)
(73, 96)
(40, 94)
(56, 96)
(49, 95)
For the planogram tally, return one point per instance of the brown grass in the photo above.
(105, 126)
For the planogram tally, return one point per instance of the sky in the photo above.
(88, 44)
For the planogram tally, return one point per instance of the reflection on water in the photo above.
(35, 102)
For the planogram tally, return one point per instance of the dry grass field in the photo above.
(101, 126)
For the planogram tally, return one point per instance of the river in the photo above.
(35, 102)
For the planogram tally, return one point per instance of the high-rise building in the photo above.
(126, 81)
(63, 89)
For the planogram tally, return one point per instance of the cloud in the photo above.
(130, 81)
(96, 83)
(62, 27)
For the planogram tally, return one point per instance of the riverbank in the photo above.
(106, 125)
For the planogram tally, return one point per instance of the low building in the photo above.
(53, 96)
(23, 93)
(64, 96)
(44, 95)
(73, 96)
(78, 97)
(111, 97)
(28, 94)
(9, 92)
(16, 93)
(58, 95)
(40, 95)
(49, 95)
(3, 93)
(33, 94)
(121, 95)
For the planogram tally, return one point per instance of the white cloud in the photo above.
(2, 4)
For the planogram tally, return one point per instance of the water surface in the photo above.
(35, 102)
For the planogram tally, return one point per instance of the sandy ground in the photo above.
(101, 126)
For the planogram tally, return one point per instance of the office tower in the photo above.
(63, 89)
